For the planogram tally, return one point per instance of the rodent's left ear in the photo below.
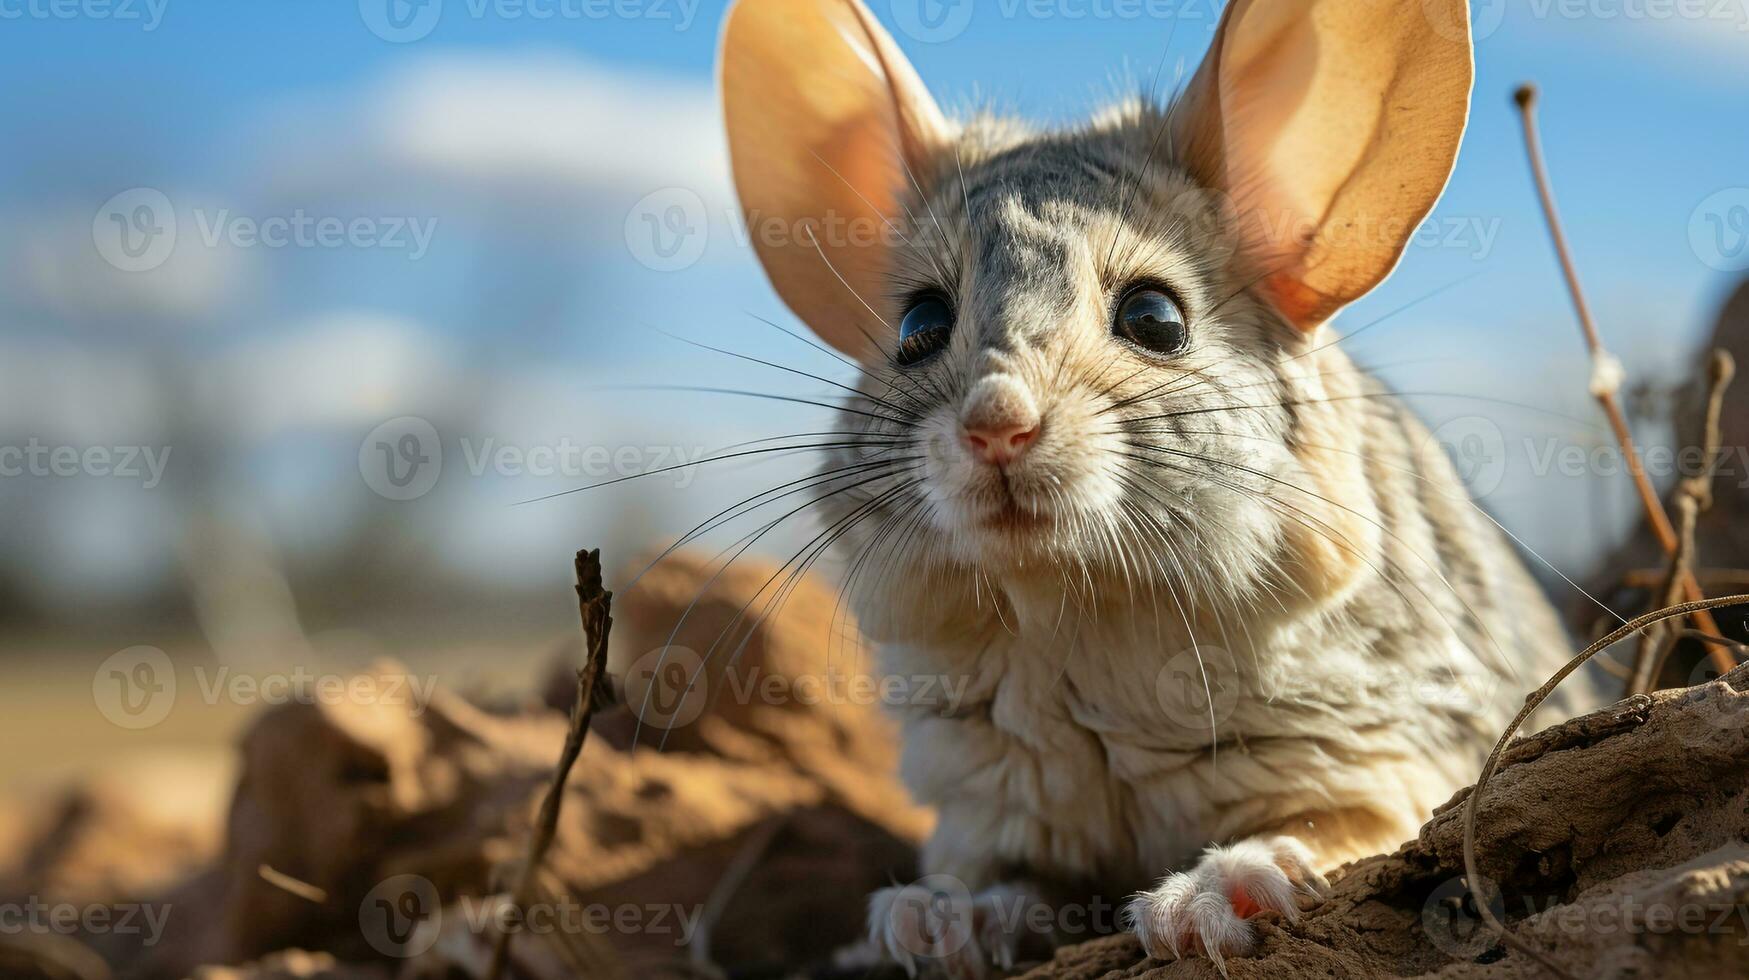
(1332, 125)
(827, 123)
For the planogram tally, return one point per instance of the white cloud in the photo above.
(341, 369)
(57, 264)
(540, 124)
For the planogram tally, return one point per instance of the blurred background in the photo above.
(309, 310)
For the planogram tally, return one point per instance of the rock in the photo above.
(396, 812)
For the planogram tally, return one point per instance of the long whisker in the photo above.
(1504, 661)
(722, 457)
(855, 516)
(745, 544)
(810, 482)
(908, 416)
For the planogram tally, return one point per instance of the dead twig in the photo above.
(1653, 649)
(1710, 578)
(1606, 370)
(1531, 704)
(1741, 649)
(595, 604)
(293, 886)
(1694, 496)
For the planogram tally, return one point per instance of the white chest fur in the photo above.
(1118, 754)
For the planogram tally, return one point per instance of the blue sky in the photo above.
(530, 138)
(1643, 117)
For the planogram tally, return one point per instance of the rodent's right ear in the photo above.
(1332, 125)
(824, 118)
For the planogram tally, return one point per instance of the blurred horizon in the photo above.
(269, 256)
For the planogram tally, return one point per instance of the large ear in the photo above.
(1332, 126)
(824, 118)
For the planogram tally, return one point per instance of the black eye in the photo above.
(1151, 320)
(924, 330)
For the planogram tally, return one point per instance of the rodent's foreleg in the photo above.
(1207, 909)
(938, 929)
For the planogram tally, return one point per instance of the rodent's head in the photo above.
(1099, 352)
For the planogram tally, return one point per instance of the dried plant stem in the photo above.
(1606, 370)
(1693, 497)
(1657, 643)
(1531, 704)
(1722, 578)
(596, 605)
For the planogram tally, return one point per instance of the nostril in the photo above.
(1000, 444)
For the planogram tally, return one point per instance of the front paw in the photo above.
(1206, 909)
(938, 928)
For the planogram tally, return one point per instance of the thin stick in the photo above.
(1606, 370)
(595, 604)
(1694, 495)
(1653, 649)
(1531, 704)
(1723, 578)
(286, 883)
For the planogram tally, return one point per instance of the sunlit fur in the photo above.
(1255, 506)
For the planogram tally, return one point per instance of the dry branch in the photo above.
(1606, 370)
(1694, 496)
(595, 604)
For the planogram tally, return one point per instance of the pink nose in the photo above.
(1001, 444)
